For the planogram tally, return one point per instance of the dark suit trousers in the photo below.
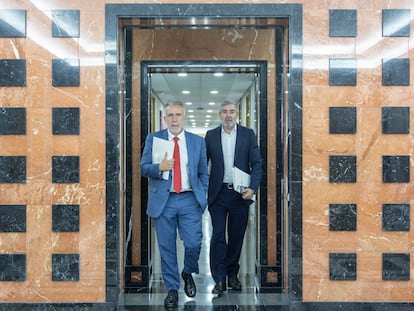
(229, 207)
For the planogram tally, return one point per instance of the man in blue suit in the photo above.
(181, 208)
(230, 145)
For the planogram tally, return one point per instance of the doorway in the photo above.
(267, 31)
(202, 87)
(155, 82)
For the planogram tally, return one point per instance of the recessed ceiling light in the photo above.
(211, 103)
(185, 92)
(188, 103)
(209, 111)
(213, 92)
(208, 116)
(182, 74)
(191, 116)
(218, 74)
(190, 110)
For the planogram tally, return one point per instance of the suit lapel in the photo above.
(220, 146)
(189, 144)
(238, 147)
(164, 134)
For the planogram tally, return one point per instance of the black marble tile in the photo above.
(66, 121)
(65, 169)
(342, 23)
(395, 120)
(395, 267)
(12, 72)
(12, 121)
(65, 23)
(396, 72)
(65, 218)
(65, 72)
(342, 72)
(396, 23)
(59, 306)
(342, 120)
(12, 218)
(218, 305)
(396, 169)
(12, 23)
(65, 267)
(12, 267)
(13, 169)
(342, 217)
(342, 169)
(342, 266)
(396, 217)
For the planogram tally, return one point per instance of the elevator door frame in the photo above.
(147, 117)
(115, 16)
(268, 276)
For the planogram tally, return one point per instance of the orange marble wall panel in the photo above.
(39, 144)
(65, 242)
(318, 94)
(67, 145)
(13, 145)
(368, 144)
(12, 243)
(376, 192)
(12, 48)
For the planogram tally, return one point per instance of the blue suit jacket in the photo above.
(158, 188)
(246, 157)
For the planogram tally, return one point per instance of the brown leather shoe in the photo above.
(234, 283)
(219, 288)
(171, 301)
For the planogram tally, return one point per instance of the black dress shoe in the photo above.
(189, 285)
(234, 283)
(219, 288)
(171, 301)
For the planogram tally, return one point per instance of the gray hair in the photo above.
(174, 103)
(227, 102)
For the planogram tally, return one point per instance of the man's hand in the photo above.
(166, 164)
(247, 194)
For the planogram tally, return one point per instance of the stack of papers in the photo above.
(241, 180)
(159, 148)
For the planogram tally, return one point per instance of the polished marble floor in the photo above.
(246, 299)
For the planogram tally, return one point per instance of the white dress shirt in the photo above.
(228, 143)
(185, 183)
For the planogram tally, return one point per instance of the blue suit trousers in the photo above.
(181, 212)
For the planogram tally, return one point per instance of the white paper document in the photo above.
(159, 148)
(241, 180)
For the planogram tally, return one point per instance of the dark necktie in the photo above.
(177, 166)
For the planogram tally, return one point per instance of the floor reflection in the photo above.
(248, 299)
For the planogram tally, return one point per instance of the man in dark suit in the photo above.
(230, 145)
(177, 206)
